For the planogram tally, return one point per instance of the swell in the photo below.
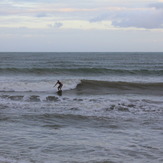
(82, 71)
(107, 87)
(117, 84)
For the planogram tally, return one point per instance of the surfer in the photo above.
(60, 85)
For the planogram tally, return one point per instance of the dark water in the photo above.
(110, 109)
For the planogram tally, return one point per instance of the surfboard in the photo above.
(59, 92)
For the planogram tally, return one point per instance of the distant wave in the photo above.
(79, 71)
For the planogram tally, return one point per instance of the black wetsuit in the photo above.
(60, 85)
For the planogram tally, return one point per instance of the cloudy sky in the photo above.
(81, 25)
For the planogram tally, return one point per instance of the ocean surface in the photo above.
(110, 109)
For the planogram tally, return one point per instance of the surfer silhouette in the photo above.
(59, 85)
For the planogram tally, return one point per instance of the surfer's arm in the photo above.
(55, 84)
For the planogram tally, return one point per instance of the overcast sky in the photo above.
(81, 25)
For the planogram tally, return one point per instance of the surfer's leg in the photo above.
(59, 88)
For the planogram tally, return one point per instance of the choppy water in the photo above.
(110, 109)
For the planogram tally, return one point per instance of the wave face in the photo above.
(105, 87)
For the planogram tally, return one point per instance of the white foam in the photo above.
(69, 84)
(7, 160)
(31, 86)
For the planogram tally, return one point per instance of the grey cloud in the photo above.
(56, 25)
(41, 15)
(100, 18)
(156, 5)
(139, 18)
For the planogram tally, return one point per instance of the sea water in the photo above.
(110, 109)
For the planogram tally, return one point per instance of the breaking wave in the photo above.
(85, 87)
(100, 87)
